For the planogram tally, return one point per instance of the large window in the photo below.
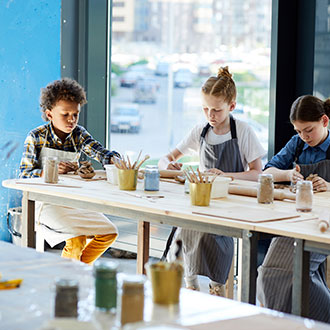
(163, 51)
(322, 50)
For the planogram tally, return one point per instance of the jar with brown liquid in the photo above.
(132, 299)
(265, 193)
(304, 196)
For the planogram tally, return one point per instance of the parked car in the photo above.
(183, 78)
(146, 90)
(133, 74)
(162, 69)
(126, 118)
(204, 70)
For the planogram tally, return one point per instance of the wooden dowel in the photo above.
(129, 163)
(200, 175)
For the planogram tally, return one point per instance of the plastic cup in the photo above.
(112, 173)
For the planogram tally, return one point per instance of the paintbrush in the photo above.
(142, 161)
(137, 159)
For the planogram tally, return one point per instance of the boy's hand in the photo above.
(295, 175)
(174, 166)
(319, 184)
(65, 167)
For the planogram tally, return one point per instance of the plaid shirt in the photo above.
(83, 141)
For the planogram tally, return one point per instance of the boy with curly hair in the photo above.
(62, 137)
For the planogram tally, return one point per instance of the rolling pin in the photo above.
(279, 194)
(323, 221)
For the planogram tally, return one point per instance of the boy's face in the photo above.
(64, 117)
(216, 109)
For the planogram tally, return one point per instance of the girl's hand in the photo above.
(174, 166)
(65, 167)
(295, 175)
(216, 171)
(319, 184)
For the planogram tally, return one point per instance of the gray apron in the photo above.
(274, 282)
(208, 254)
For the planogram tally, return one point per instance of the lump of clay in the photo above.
(311, 177)
(74, 167)
(86, 170)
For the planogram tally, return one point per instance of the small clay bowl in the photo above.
(87, 175)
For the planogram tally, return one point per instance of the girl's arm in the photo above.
(168, 162)
(251, 175)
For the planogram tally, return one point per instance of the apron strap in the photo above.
(233, 131)
(233, 127)
(168, 244)
(328, 153)
(299, 149)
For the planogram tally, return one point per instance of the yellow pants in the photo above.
(76, 248)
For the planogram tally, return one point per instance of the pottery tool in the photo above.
(47, 184)
(10, 284)
(142, 161)
(137, 159)
(324, 221)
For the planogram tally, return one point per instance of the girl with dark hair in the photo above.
(308, 152)
(225, 145)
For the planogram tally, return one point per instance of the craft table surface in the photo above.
(31, 305)
(177, 204)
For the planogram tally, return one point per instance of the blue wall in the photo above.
(29, 60)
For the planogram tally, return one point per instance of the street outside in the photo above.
(160, 129)
(155, 137)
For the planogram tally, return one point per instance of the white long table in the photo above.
(175, 209)
(32, 304)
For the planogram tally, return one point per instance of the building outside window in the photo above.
(163, 51)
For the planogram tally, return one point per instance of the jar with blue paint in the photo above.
(151, 178)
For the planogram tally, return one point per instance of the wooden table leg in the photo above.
(249, 266)
(142, 246)
(300, 286)
(28, 218)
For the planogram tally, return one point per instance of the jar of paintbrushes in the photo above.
(128, 171)
(200, 187)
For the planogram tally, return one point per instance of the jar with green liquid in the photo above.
(105, 273)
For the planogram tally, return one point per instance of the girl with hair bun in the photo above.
(307, 152)
(226, 146)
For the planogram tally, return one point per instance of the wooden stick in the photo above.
(47, 184)
(123, 164)
(137, 159)
(194, 176)
(129, 163)
(142, 161)
(200, 175)
(214, 178)
(118, 162)
(187, 175)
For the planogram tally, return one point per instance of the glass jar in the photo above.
(66, 299)
(105, 273)
(265, 193)
(50, 169)
(304, 196)
(151, 178)
(132, 299)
